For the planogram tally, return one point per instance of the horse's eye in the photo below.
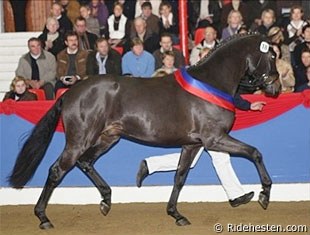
(273, 57)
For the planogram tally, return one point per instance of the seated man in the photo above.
(104, 60)
(92, 23)
(209, 41)
(38, 67)
(138, 62)
(301, 70)
(87, 40)
(152, 21)
(150, 39)
(71, 63)
(52, 40)
(64, 22)
(300, 47)
(166, 45)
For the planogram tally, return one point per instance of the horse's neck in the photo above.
(221, 73)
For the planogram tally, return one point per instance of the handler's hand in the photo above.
(258, 105)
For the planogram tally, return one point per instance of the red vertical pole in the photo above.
(183, 28)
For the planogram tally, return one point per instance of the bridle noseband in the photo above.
(259, 80)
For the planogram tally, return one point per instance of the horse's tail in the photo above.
(33, 151)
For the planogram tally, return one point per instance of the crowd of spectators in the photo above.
(140, 38)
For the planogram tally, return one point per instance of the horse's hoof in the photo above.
(46, 225)
(182, 222)
(104, 208)
(263, 200)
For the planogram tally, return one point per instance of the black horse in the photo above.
(99, 111)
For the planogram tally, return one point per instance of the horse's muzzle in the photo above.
(273, 89)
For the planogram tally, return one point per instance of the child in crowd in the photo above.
(204, 52)
(19, 92)
(168, 65)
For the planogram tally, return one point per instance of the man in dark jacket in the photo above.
(87, 40)
(103, 61)
(166, 45)
(71, 63)
(150, 39)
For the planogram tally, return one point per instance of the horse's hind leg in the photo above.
(86, 165)
(57, 171)
(236, 147)
(187, 156)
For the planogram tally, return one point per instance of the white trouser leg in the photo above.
(167, 162)
(221, 163)
(226, 174)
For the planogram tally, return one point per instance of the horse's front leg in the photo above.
(104, 189)
(236, 147)
(187, 156)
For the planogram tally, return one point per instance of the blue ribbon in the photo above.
(206, 88)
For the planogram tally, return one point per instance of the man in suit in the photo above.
(104, 60)
(86, 39)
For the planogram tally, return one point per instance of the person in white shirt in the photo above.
(294, 28)
(208, 42)
(117, 26)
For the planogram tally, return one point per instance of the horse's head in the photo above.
(262, 67)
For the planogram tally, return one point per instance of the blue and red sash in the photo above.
(204, 90)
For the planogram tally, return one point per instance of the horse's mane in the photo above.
(223, 44)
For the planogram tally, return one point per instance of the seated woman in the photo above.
(234, 22)
(276, 36)
(268, 20)
(99, 11)
(168, 58)
(293, 31)
(51, 39)
(19, 92)
(285, 71)
(118, 26)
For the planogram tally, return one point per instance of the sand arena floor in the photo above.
(151, 218)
